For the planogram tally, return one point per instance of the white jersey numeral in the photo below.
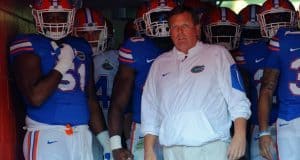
(293, 86)
(69, 80)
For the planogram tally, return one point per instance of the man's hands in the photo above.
(65, 57)
(266, 146)
(122, 154)
(119, 153)
(150, 155)
(237, 147)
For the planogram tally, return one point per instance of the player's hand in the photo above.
(237, 147)
(122, 154)
(65, 57)
(265, 146)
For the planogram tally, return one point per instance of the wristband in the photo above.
(264, 133)
(103, 138)
(115, 142)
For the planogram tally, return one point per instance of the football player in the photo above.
(222, 27)
(92, 26)
(251, 58)
(136, 56)
(281, 70)
(54, 73)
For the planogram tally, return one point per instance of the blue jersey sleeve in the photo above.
(126, 53)
(20, 45)
(273, 59)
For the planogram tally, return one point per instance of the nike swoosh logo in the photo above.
(149, 60)
(51, 142)
(283, 124)
(294, 49)
(259, 60)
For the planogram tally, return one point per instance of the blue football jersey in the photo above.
(138, 53)
(252, 59)
(285, 56)
(105, 68)
(68, 103)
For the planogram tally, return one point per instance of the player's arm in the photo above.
(35, 86)
(121, 94)
(269, 83)
(97, 121)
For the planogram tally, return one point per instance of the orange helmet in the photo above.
(249, 23)
(54, 18)
(222, 27)
(139, 21)
(156, 18)
(276, 14)
(91, 25)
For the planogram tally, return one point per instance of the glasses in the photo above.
(181, 27)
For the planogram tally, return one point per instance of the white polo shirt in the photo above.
(191, 99)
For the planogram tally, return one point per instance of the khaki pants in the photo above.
(211, 151)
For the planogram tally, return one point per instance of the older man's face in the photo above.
(184, 33)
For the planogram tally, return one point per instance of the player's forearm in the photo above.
(269, 83)
(35, 86)
(115, 119)
(97, 122)
(264, 106)
(121, 94)
(40, 91)
(116, 116)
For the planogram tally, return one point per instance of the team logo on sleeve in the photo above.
(197, 69)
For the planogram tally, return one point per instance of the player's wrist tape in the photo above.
(115, 142)
(264, 133)
(103, 138)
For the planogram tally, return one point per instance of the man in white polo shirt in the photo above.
(191, 95)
